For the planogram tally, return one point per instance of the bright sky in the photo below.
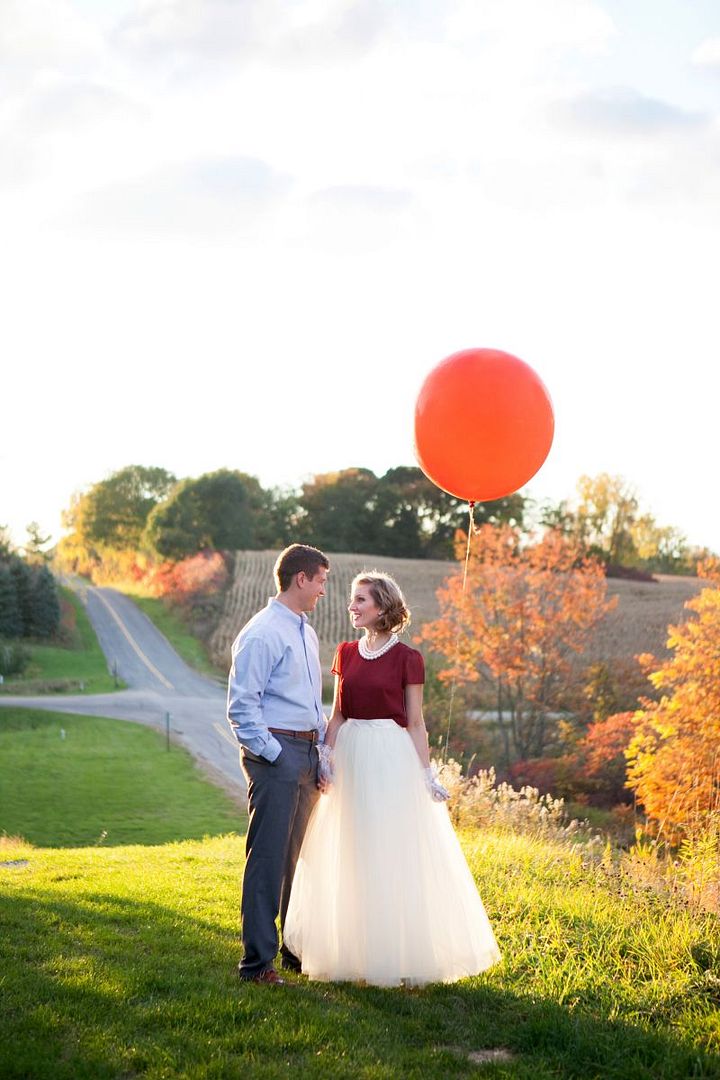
(239, 233)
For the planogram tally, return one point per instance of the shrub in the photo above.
(600, 759)
(547, 774)
(476, 801)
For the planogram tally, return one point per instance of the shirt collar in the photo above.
(284, 611)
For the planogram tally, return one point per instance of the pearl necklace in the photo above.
(374, 654)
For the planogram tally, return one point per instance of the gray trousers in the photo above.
(280, 799)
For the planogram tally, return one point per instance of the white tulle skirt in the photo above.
(382, 892)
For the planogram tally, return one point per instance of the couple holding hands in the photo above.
(349, 840)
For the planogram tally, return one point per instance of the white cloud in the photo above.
(214, 197)
(45, 32)
(349, 219)
(356, 198)
(19, 162)
(188, 34)
(707, 53)
(623, 111)
(72, 104)
(540, 24)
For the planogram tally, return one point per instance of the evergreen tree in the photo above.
(11, 624)
(22, 577)
(43, 606)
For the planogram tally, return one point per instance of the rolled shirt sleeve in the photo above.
(252, 666)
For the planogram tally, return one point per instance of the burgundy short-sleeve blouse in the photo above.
(375, 689)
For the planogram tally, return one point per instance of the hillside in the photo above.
(638, 623)
(120, 962)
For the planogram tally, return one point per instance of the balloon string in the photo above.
(453, 685)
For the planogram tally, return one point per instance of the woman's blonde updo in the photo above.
(394, 613)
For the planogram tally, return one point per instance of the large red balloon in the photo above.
(483, 424)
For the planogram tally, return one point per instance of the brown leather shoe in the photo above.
(269, 976)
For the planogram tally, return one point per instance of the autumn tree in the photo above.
(606, 519)
(607, 508)
(75, 552)
(599, 764)
(661, 548)
(105, 524)
(674, 756)
(515, 625)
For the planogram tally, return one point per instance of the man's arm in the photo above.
(252, 666)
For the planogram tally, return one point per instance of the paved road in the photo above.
(159, 682)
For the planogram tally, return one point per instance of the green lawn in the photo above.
(119, 961)
(68, 780)
(81, 667)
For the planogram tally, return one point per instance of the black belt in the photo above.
(311, 736)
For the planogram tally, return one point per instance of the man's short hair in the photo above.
(295, 559)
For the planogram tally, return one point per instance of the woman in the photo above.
(382, 892)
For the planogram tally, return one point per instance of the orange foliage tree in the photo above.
(674, 756)
(523, 613)
(599, 765)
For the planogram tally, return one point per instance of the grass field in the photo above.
(77, 781)
(80, 667)
(119, 961)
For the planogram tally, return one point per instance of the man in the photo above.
(275, 710)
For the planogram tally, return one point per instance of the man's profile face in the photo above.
(312, 588)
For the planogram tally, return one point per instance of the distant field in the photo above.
(253, 584)
(638, 624)
(644, 611)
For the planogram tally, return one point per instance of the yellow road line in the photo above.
(224, 732)
(148, 663)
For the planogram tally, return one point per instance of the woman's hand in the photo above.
(438, 793)
(326, 773)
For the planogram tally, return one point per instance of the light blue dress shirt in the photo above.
(275, 679)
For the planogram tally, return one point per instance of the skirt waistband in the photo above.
(377, 720)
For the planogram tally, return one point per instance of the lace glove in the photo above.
(438, 793)
(325, 769)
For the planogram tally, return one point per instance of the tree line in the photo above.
(147, 510)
